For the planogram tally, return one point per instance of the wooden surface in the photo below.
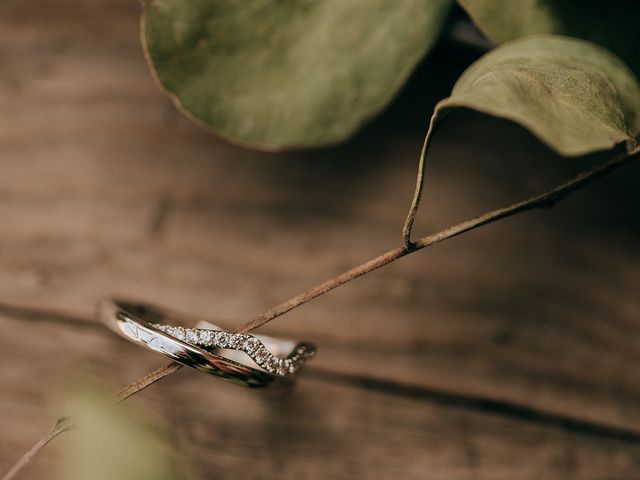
(507, 353)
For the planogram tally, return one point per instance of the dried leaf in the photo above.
(282, 74)
(573, 95)
(613, 25)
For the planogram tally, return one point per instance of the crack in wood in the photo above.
(478, 403)
(42, 315)
(441, 397)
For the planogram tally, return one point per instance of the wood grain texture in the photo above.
(106, 189)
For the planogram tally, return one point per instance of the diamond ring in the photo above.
(250, 360)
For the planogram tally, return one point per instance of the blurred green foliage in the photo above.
(112, 443)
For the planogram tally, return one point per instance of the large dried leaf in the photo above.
(573, 95)
(612, 24)
(287, 73)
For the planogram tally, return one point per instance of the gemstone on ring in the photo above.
(238, 341)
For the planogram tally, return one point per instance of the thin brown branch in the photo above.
(543, 200)
(417, 194)
(62, 425)
(323, 288)
(546, 199)
(144, 382)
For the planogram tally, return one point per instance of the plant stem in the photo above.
(417, 194)
(544, 200)
(304, 297)
(144, 382)
(62, 425)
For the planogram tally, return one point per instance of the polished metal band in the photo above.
(250, 360)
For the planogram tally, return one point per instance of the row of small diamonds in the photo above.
(237, 341)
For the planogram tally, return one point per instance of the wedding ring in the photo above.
(250, 360)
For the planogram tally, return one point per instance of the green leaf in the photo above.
(573, 95)
(613, 25)
(111, 443)
(287, 73)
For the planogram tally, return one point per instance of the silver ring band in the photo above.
(250, 360)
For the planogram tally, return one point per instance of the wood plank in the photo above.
(538, 325)
(323, 428)
(106, 189)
